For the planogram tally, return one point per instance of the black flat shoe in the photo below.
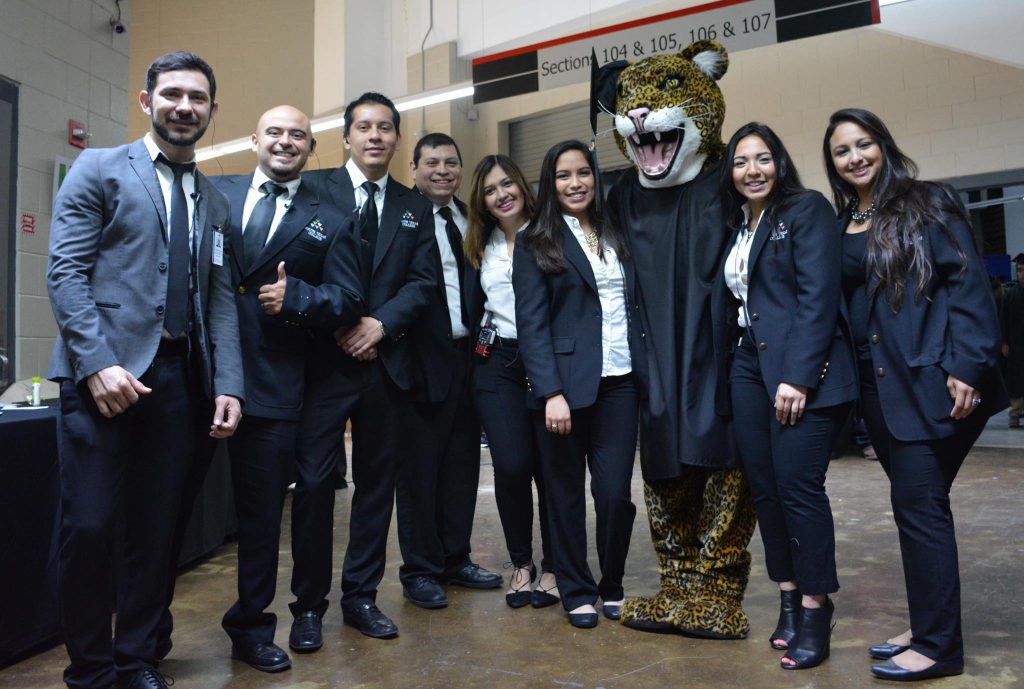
(886, 650)
(520, 598)
(811, 645)
(894, 673)
(583, 620)
(612, 612)
(789, 620)
(541, 598)
(263, 657)
(306, 635)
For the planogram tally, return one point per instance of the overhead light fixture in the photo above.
(883, 3)
(323, 124)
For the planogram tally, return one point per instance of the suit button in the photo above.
(755, 316)
(874, 339)
(160, 310)
(763, 346)
(880, 372)
(162, 267)
(241, 289)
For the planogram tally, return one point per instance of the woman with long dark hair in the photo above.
(501, 204)
(791, 375)
(927, 336)
(573, 281)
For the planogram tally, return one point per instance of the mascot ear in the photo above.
(709, 57)
(602, 87)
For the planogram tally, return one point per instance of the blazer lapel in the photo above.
(761, 232)
(236, 194)
(389, 220)
(138, 155)
(301, 211)
(345, 193)
(574, 255)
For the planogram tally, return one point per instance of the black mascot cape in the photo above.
(668, 112)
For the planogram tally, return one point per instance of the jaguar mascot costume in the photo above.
(668, 113)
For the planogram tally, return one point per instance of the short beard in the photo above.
(176, 139)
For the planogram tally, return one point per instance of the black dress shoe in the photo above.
(424, 592)
(473, 576)
(886, 650)
(307, 633)
(149, 679)
(789, 620)
(811, 645)
(365, 616)
(268, 657)
(583, 620)
(893, 672)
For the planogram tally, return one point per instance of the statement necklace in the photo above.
(858, 216)
(592, 241)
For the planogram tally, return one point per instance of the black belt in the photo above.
(506, 343)
(170, 348)
(461, 344)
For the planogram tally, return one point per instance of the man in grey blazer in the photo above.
(148, 351)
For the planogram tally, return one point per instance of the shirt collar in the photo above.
(357, 176)
(291, 186)
(154, 150)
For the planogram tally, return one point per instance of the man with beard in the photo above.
(139, 284)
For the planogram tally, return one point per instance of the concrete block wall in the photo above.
(69, 64)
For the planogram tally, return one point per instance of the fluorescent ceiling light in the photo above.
(323, 124)
(883, 3)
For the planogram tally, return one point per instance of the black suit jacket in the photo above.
(317, 242)
(952, 328)
(793, 299)
(558, 323)
(403, 273)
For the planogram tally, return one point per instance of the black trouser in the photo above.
(920, 475)
(785, 467)
(129, 470)
(604, 437)
(379, 412)
(500, 391)
(438, 481)
(262, 455)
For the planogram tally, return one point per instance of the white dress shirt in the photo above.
(611, 289)
(166, 178)
(496, 282)
(449, 266)
(284, 200)
(737, 264)
(358, 178)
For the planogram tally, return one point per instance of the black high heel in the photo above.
(789, 620)
(811, 645)
(520, 598)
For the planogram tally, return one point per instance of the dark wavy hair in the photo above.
(786, 188)
(481, 222)
(544, 235)
(903, 206)
(180, 61)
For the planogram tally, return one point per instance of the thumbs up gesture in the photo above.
(272, 296)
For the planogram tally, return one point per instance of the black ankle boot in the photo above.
(811, 645)
(789, 620)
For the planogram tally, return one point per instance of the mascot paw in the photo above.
(659, 613)
(713, 619)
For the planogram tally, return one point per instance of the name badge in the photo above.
(218, 247)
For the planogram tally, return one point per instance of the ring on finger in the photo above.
(976, 401)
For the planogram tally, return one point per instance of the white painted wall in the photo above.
(70, 65)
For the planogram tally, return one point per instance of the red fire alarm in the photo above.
(77, 134)
(28, 223)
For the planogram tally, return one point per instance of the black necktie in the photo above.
(179, 256)
(455, 242)
(258, 227)
(368, 215)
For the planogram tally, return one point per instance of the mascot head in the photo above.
(668, 111)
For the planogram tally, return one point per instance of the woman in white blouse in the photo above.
(500, 205)
(573, 285)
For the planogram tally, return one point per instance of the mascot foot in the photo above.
(713, 619)
(659, 613)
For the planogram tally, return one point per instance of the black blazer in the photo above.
(558, 323)
(318, 245)
(793, 301)
(953, 328)
(403, 274)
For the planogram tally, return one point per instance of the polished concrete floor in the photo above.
(479, 642)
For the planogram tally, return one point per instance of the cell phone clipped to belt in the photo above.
(485, 341)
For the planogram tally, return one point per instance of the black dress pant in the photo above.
(122, 477)
(603, 437)
(379, 412)
(438, 480)
(785, 467)
(500, 392)
(262, 454)
(921, 475)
